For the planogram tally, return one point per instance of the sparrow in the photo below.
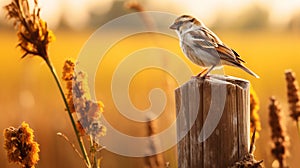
(204, 48)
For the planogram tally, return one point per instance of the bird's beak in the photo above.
(174, 26)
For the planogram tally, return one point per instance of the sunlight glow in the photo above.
(76, 12)
(282, 11)
(208, 11)
(51, 11)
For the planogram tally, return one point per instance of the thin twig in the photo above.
(252, 141)
(298, 127)
(34, 37)
(72, 145)
(79, 139)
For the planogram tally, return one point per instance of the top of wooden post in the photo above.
(221, 79)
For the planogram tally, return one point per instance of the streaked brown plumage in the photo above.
(203, 47)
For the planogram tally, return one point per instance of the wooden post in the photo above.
(217, 105)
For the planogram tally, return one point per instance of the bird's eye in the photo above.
(192, 20)
(180, 23)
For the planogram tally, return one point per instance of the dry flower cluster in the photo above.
(293, 94)
(279, 137)
(134, 5)
(247, 161)
(88, 111)
(254, 116)
(20, 146)
(34, 35)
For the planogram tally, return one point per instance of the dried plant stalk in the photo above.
(157, 160)
(138, 7)
(34, 37)
(248, 160)
(279, 137)
(293, 94)
(20, 146)
(254, 116)
(134, 5)
(88, 112)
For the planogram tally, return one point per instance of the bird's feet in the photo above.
(200, 76)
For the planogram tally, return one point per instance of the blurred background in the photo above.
(265, 33)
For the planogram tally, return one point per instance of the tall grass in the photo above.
(34, 38)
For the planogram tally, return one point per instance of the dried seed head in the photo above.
(279, 137)
(138, 7)
(254, 116)
(133, 4)
(293, 94)
(248, 161)
(79, 100)
(20, 146)
(33, 33)
(68, 70)
(68, 76)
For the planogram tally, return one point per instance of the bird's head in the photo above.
(185, 22)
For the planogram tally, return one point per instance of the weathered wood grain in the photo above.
(223, 141)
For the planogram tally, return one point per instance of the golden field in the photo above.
(28, 92)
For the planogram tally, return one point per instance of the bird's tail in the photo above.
(248, 70)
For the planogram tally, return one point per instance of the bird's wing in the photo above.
(228, 55)
(205, 38)
(200, 39)
(211, 36)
